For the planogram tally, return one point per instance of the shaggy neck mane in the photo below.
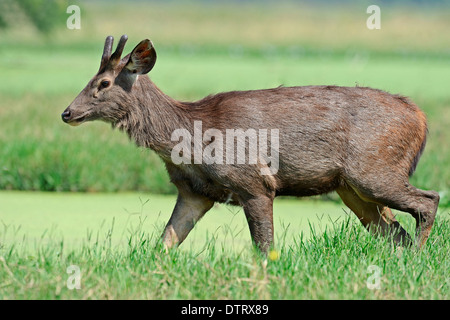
(153, 116)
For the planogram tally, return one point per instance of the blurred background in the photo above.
(203, 47)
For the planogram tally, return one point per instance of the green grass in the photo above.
(322, 253)
(71, 215)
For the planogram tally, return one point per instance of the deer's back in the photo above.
(324, 131)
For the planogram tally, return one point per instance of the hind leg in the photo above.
(376, 218)
(400, 195)
(422, 205)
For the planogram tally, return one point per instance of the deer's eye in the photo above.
(104, 84)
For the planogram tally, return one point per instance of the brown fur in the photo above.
(362, 142)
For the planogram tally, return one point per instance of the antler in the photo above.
(115, 58)
(106, 51)
(108, 60)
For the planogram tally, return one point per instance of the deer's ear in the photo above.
(142, 58)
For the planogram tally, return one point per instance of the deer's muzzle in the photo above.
(68, 117)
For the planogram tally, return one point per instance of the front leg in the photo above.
(259, 213)
(190, 208)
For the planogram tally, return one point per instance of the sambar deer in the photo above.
(363, 143)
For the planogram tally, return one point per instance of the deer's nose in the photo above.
(65, 115)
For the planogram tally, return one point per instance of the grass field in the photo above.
(320, 252)
(69, 216)
(86, 196)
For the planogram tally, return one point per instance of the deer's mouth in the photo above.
(77, 121)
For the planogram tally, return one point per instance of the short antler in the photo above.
(106, 51)
(115, 58)
(108, 60)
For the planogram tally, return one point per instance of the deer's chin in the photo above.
(74, 123)
(77, 122)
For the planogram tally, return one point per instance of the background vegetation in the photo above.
(206, 48)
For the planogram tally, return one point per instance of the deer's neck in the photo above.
(153, 117)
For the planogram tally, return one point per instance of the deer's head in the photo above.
(111, 92)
